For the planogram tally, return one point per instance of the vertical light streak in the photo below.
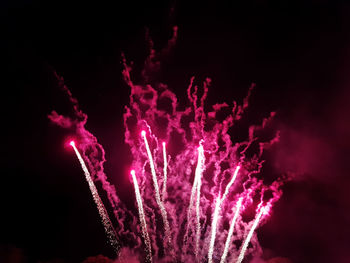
(249, 237)
(164, 171)
(156, 189)
(198, 229)
(213, 229)
(230, 183)
(230, 232)
(142, 218)
(112, 236)
(216, 215)
(195, 190)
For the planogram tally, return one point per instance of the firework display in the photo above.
(193, 182)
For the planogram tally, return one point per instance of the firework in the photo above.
(164, 171)
(249, 236)
(142, 218)
(193, 160)
(230, 232)
(199, 171)
(216, 214)
(213, 229)
(195, 193)
(156, 189)
(101, 208)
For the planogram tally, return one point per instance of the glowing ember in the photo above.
(192, 152)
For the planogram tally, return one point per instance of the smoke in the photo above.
(128, 255)
(306, 153)
(94, 155)
(272, 260)
(154, 110)
(314, 150)
(12, 254)
(98, 259)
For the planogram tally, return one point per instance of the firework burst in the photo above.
(184, 159)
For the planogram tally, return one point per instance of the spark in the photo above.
(101, 208)
(156, 189)
(230, 232)
(215, 219)
(164, 171)
(249, 237)
(142, 218)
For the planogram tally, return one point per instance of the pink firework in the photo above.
(188, 167)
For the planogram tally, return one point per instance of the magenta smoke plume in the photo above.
(191, 178)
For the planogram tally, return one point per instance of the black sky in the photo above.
(297, 52)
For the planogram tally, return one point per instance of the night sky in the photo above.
(297, 53)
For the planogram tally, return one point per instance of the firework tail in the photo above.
(142, 218)
(157, 194)
(213, 229)
(195, 190)
(249, 236)
(230, 183)
(199, 182)
(164, 171)
(217, 209)
(230, 232)
(112, 236)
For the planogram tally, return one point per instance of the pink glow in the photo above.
(265, 210)
(177, 185)
(132, 173)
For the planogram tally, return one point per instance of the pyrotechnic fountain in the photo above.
(183, 160)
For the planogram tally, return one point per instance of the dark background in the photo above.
(297, 52)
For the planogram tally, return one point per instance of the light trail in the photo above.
(249, 237)
(111, 234)
(156, 189)
(197, 183)
(230, 183)
(164, 171)
(215, 220)
(198, 214)
(195, 190)
(213, 229)
(142, 218)
(230, 232)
